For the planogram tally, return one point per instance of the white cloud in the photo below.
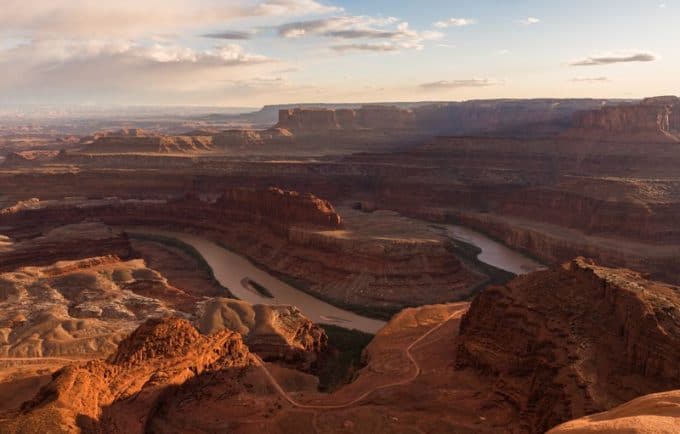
(382, 47)
(70, 70)
(454, 22)
(615, 57)
(459, 84)
(530, 20)
(339, 24)
(398, 33)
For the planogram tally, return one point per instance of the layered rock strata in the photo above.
(298, 237)
(653, 119)
(275, 333)
(118, 395)
(306, 121)
(573, 340)
(73, 241)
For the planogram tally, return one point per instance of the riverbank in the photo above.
(230, 269)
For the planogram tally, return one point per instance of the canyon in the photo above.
(525, 371)
(203, 276)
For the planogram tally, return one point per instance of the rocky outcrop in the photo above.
(70, 242)
(653, 120)
(576, 339)
(658, 413)
(518, 118)
(29, 158)
(374, 117)
(279, 208)
(252, 139)
(119, 395)
(275, 333)
(139, 141)
(76, 308)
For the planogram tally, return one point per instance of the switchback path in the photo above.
(416, 372)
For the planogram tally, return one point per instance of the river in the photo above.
(234, 272)
(493, 252)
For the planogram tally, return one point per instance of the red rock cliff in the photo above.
(123, 392)
(653, 119)
(374, 117)
(573, 340)
(279, 206)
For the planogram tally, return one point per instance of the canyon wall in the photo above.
(297, 237)
(368, 117)
(276, 206)
(573, 340)
(652, 120)
(158, 358)
(73, 241)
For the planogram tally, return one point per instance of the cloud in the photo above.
(115, 70)
(607, 59)
(135, 18)
(589, 79)
(454, 22)
(398, 32)
(287, 7)
(327, 26)
(363, 33)
(384, 47)
(529, 21)
(229, 35)
(459, 84)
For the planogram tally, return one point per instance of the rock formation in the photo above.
(275, 333)
(658, 413)
(69, 242)
(76, 308)
(573, 340)
(119, 394)
(140, 141)
(652, 119)
(379, 262)
(374, 117)
(275, 207)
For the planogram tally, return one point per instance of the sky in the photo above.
(248, 53)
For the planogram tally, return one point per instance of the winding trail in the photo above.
(285, 395)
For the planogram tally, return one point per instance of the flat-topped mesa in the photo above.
(139, 141)
(653, 119)
(278, 207)
(372, 117)
(573, 340)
